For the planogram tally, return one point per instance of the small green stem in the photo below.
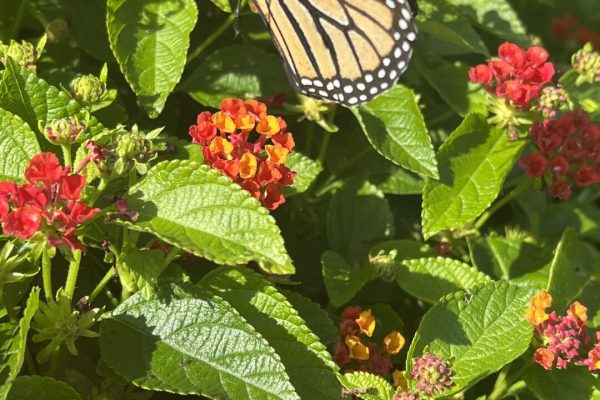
(324, 148)
(209, 40)
(174, 252)
(47, 275)
(310, 133)
(72, 274)
(16, 27)
(520, 188)
(66, 149)
(102, 284)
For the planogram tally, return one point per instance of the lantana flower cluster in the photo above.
(517, 76)
(567, 153)
(564, 339)
(431, 375)
(248, 145)
(355, 352)
(49, 203)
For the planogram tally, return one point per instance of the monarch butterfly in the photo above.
(346, 51)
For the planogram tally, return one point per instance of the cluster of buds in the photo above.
(518, 76)
(255, 161)
(586, 62)
(23, 53)
(430, 375)
(65, 131)
(124, 151)
(568, 152)
(91, 91)
(552, 99)
(567, 28)
(57, 323)
(563, 339)
(48, 203)
(356, 326)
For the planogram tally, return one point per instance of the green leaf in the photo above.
(146, 266)
(474, 161)
(306, 360)
(34, 100)
(572, 267)
(13, 344)
(429, 279)
(483, 330)
(222, 4)
(452, 83)
(498, 18)
(445, 30)
(307, 171)
(18, 145)
(191, 342)
(87, 24)
(342, 279)
(367, 386)
(237, 71)
(394, 125)
(512, 259)
(358, 215)
(150, 40)
(574, 383)
(41, 388)
(192, 206)
(316, 318)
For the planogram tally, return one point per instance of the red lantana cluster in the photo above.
(567, 28)
(352, 354)
(48, 203)
(564, 339)
(255, 161)
(518, 76)
(568, 153)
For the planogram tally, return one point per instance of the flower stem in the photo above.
(72, 274)
(324, 148)
(209, 40)
(66, 149)
(102, 284)
(47, 275)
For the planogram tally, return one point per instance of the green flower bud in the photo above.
(57, 30)
(87, 89)
(553, 98)
(58, 323)
(64, 130)
(134, 147)
(23, 53)
(587, 63)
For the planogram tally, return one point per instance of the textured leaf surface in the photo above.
(316, 318)
(41, 388)
(367, 386)
(146, 265)
(307, 171)
(497, 17)
(395, 127)
(237, 71)
(482, 331)
(14, 341)
(358, 214)
(192, 206)
(473, 164)
(33, 99)
(343, 279)
(150, 40)
(574, 383)
(306, 359)
(572, 267)
(191, 342)
(431, 278)
(18, 145)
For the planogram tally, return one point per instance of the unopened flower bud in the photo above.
(57, 30)
(87, 89)
(23, 53)
(64, 130)
(134, 147)
(432, 374)
(552, 99)
(587, 62)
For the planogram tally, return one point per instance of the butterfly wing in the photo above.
(346, 51)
